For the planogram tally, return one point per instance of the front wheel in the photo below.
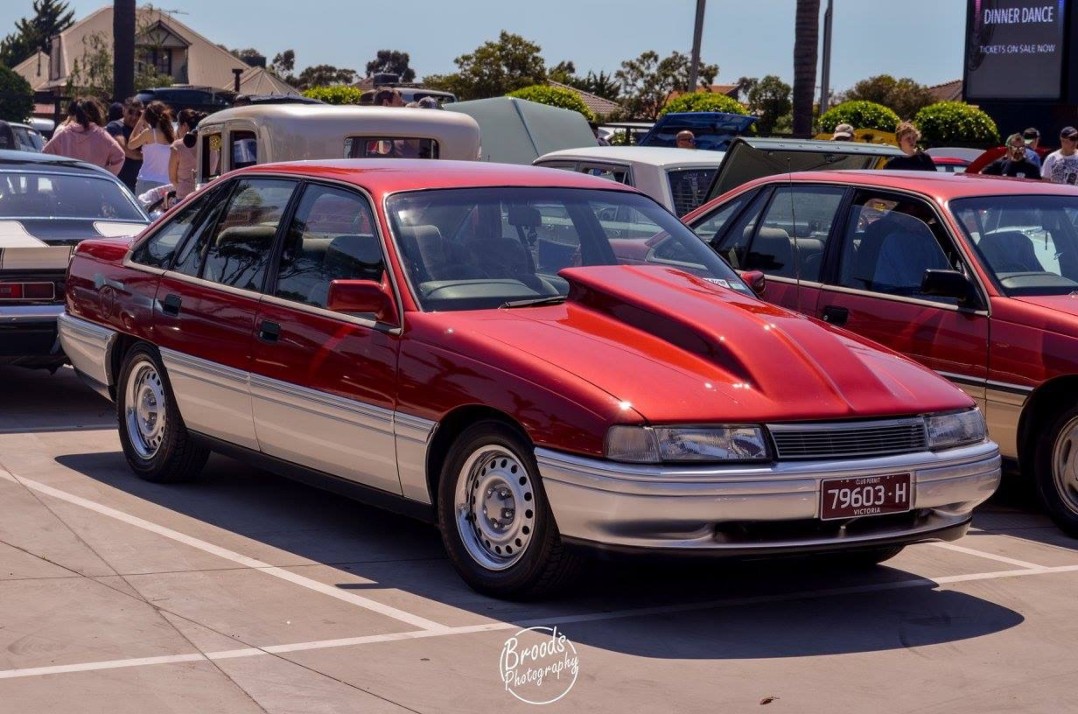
(496, 525)
(154, 438)
(1056, 471)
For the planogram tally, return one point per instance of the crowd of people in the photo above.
(137, 143)
(1020, 159)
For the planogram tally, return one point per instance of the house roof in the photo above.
(598, 105)
(948, 91)
(207, 64)
(259, 80)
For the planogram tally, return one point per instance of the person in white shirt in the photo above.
(1062, 166)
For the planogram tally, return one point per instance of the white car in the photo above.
(677, 178)
(682, 179)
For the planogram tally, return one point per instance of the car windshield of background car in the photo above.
(47, 195)
(467, 249)
(1028, 243)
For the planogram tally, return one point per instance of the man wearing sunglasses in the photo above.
(1062, 166)
(1015, 163)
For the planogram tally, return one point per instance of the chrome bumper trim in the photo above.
(686, 507)
(88, 346)
(18, 314)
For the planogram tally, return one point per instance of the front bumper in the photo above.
(757, 510)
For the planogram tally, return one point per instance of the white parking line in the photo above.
(989, 556)
(332, 591)
(547, 621)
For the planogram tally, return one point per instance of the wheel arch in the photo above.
(452, 426)
(1046, 402)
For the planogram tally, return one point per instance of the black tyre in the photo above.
(1055, 471)
(495, 521)
(154, 438)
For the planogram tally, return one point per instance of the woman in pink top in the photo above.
(84, 137)
(181, 165)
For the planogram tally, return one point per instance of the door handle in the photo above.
(836, 315)
(171, 304)
(269, 331)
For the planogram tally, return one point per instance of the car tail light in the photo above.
(27, 291)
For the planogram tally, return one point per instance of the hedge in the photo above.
(16, 96)
(946, 123)
(861, 115)
(335, 94)
(555, 97)
(704, 102)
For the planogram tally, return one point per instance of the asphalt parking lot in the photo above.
(244, 592)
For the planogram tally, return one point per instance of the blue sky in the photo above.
(921, 39)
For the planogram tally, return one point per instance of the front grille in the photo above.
(848, 440)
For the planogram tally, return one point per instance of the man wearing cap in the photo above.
(1032, 137)
(843, 132)
(1062, 166)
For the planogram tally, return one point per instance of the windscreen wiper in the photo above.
(535, 302)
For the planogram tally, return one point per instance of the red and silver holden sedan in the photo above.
(973, 276)
(533, 359)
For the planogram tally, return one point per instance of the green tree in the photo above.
(948, 123)
(16, 96)
(601, 85)
(647, 81)
(324, 74)
(392, 62)
(769, 99)
(704, 102)
(494, 69)
(555, 97)
(564, 72)
(744, 86)
(51, 17)
(861, 115)
(250, 55)
(905, 96)
(806, 39)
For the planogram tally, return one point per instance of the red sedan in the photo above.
(973, 276)
(464, 342)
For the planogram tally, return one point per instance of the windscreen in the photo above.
(480, 248)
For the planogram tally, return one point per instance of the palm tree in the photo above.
(123, 56)
(806, 40)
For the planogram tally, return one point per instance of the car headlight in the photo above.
(949, 430)
(651, 445)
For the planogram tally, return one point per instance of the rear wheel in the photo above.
(496, 525)
(154, 438)
(1056, 471)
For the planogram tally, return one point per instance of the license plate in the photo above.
(866, 496)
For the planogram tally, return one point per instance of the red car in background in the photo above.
(973, 276)
(467, 343)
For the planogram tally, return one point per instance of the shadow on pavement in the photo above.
(703, 610)
(35, 401)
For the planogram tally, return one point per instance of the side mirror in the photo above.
(949, 283)
(755, 280)
(366, 296)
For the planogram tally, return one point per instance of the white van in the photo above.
(259, 134)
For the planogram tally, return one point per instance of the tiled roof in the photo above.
(948, 91)
(599, 105)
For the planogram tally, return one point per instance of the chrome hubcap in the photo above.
(1065, 465)
(495, 507)
(144, 412)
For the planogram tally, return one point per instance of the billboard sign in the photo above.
(1014, 49)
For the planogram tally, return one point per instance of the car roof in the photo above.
(10, 159)
(390, 175)
(654, 155)
(939, 184)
